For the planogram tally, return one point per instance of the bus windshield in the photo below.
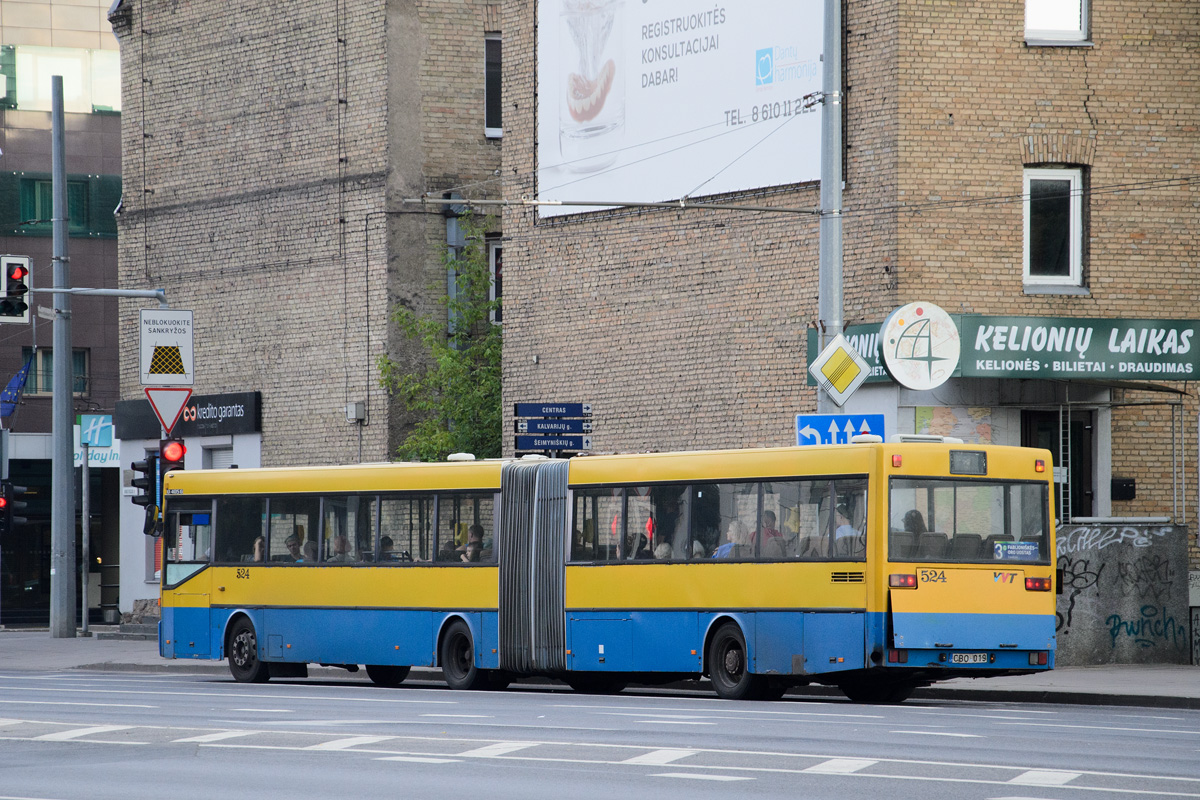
(968, 521)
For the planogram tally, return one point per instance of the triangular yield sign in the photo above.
(168, 404)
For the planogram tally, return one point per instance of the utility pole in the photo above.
(829, 290)
(62, 485)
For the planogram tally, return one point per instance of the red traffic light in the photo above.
(173, 451)
(3, 502)
(17, 272)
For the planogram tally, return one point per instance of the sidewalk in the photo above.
(1156, 685)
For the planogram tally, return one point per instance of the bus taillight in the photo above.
(897, 656)
(1038, 658)
(1039, 465)
(1037, 584)
(902, 581)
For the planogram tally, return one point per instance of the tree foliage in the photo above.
(457, 395)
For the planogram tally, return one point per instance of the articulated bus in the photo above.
(876, 568)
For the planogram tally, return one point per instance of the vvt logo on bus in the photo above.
(1004, 577)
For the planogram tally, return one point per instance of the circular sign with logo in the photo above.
(920, 345)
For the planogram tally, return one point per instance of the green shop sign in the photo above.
(1069, 347)
(1056, 347)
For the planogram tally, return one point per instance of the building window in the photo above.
(91, 78)
(1056, 22)
(40, 382)
(37, 204)
(496, 264)
(1053, 201)
(491, 87)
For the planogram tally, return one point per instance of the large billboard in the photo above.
(655, 100)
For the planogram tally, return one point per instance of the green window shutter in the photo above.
(106, 194)
(10, 203)
(8, 76)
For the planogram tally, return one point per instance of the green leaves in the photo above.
(457, 395)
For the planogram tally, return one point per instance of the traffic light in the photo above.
(10, 504)
(13, 307)
(170, 456)
(145, 480)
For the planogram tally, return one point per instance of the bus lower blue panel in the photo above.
(808, 643)
(638, 641)
(350, 636)
(183, 633)
(973, 631)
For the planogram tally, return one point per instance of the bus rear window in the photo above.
(968, 521)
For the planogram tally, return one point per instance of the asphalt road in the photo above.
(128, 736)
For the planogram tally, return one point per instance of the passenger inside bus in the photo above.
(387, 550)
(914, 522)
(260, 550)
(737, 542)
(340, 546)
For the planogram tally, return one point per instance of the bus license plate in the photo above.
(968, 658)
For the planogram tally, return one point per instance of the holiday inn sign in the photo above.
(1059, 347)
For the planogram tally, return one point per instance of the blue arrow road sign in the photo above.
(552, 410)
(553, 426)
(554, 443)
(835, 428)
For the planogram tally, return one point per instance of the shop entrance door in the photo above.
(1070, 436)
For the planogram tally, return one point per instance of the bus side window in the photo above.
(298, 516)
(407, 520)
(597, 525)
(239, 522)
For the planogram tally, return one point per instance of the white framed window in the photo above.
(492, 121)
(1053, 204)
(496, 265)
(40, 382)
(1056, 22)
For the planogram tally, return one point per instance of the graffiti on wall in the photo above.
(1124, 595)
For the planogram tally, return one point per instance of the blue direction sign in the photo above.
(554, 443)
(553, 410)
(835, 428)
(553, 426)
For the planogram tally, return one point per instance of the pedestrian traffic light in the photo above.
(145, 480)
(15, 272)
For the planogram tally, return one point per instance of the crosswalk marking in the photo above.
(75, 733)
(213, 737)
(1045, 777)
(420, 760)
(659, 757)
(694, 776)
(498, 749)
(840, 766)
(348, 742)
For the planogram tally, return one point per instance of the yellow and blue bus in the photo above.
(872, 567)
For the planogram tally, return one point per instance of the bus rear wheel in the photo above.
(457, 657)
(729, 667)
(243, 654)
(386, 674)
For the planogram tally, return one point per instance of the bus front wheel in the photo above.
(458, 658)
(243, 654)
(386, 674)
(728, 665)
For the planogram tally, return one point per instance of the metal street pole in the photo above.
(85, 554)
(829, 289)
(62, 489)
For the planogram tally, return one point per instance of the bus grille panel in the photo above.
(533, 533)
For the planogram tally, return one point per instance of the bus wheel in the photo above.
(386, 674)
(243, 654)
(878, 691)
(596, 683)
(728, 668)
(458, 659)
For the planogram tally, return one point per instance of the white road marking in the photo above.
(75, 733)
(420, 760)
(698, 777)
(658, 758)
(64, 703)
(840, 766)
(263, 710)
(1104, 728)
(339, 697)
(498, 749)
(214, 737)
(348, 742)
(666, 721)
(940, 733)
(453, 716)
(1045, 777)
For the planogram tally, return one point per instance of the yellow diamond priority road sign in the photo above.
(839, 370)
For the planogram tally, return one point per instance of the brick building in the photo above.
(267, 153)
(686, 328)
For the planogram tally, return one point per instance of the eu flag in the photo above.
(12, 393)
